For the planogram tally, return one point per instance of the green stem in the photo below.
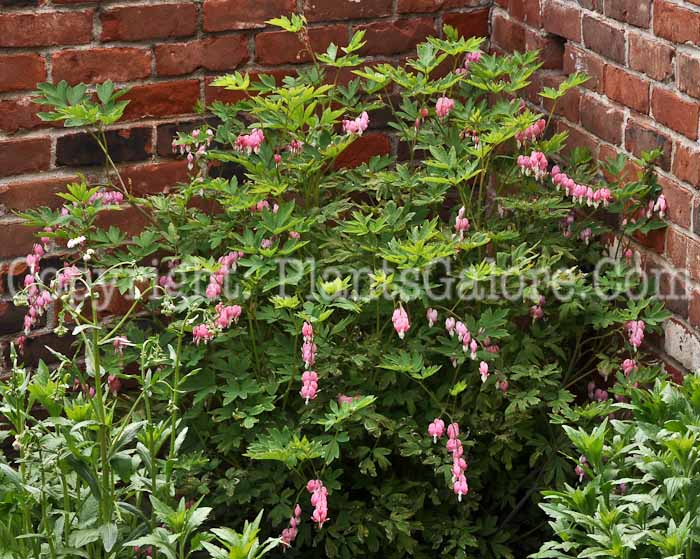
(174, 410)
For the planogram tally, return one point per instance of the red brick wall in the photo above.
(167, 51)
(644, 60)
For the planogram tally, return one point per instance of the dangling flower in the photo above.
(432, 316)
(114, 384)
(319, 500)
(484, 371)
(250, 143)
(635, 331)
(444, 106)
(309, 385)
(227, 315)
(436, 429)
(461, 223)
(628, 366)
(660, 206)
(308, 353)
(201, 333)
(290, 534)
(401, 322)
(460, 487)
(357, 126)
(72, 243)
(580, 472)
(307, 331)
(450, 325)
(119, 343)
(473, 346)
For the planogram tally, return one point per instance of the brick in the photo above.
(45, 29)
(630, 171)
(602, 119)
(11, 318)
(676, 23)
(362, 149)
(680, 202)
(21, 71)
(129, 220)
(21, 114)
(130, 144)
(135, 23)
(508, 33)
(577, 138)
(213, 53)
(694, 258)
(652, 57)
(18, 3)
(579, 60)
(605, 39)
(161, 99)
(469, 24)
(642, 135)
(431, 6)
(397, 36)
(15, 240)
(594, 5)
(329, 10)
(527, 11)
(677, 248)
(35, 348)
(24, 156)
(673, 293)
(626, 88)
(635, 12)
(675, 112)
(696, 217)
(551, 48)
(688, 69)
(25, 195)
(167, 132)
(101, 64)
(282, 47)
(562, 19)
(222, 15)
(153, 178)
(694, 309)
(686, 164)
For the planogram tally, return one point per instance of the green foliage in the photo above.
(212, 427)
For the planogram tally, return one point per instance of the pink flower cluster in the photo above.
(401, 322)
(198, 151)
(319, 500)
(535, 164)
(202, 333)
(225, 315)
(250, 143)
(531, 133)
(580, 472)
(290, 534)
(444, 106)
(264, 205)
(358, 125)
(469, 59)
(659, 206)
(597, 394)
(436, 430)
(216, 280)
(461, 223)
(463, 335)
(108, 198)
(628, 366)
(309, 385)
(536, 311)
(635, 331)
(484, 371)
(39, 300)
(308, 349)
(295, 147)
(580, 192)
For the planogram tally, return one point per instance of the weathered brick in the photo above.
(569, 105)
(100, 64)
(362, 149)
(135, 23)
(694, 258)
(551, 48)
(580, 60)
(161, 99)
(642, 135)
(688, 70)
(676, 23)
(602, 119)
(25, 195)
(19, 114)
(636, 12)
(563, 19)
(24, 156)
(281, 47)
(578, 138)
(626, 88)
(130, 144)
(694, 308)
(424, 6)
(21, 71)
(673, 292)
(675, 112)
(15, 240)
(604, 38)
(153, 178)
(677, 248)
(397, 36)
(40, 29)
(213, 53)
(680, 202)
(686, 164)
(652, 57)
(507, 33)
(469, 24)
(18, 3)
(329, 10)
(527, 11)
(222, 15)
(11, 318)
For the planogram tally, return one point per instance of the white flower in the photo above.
(72, 243)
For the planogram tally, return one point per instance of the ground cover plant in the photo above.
(364, 359)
